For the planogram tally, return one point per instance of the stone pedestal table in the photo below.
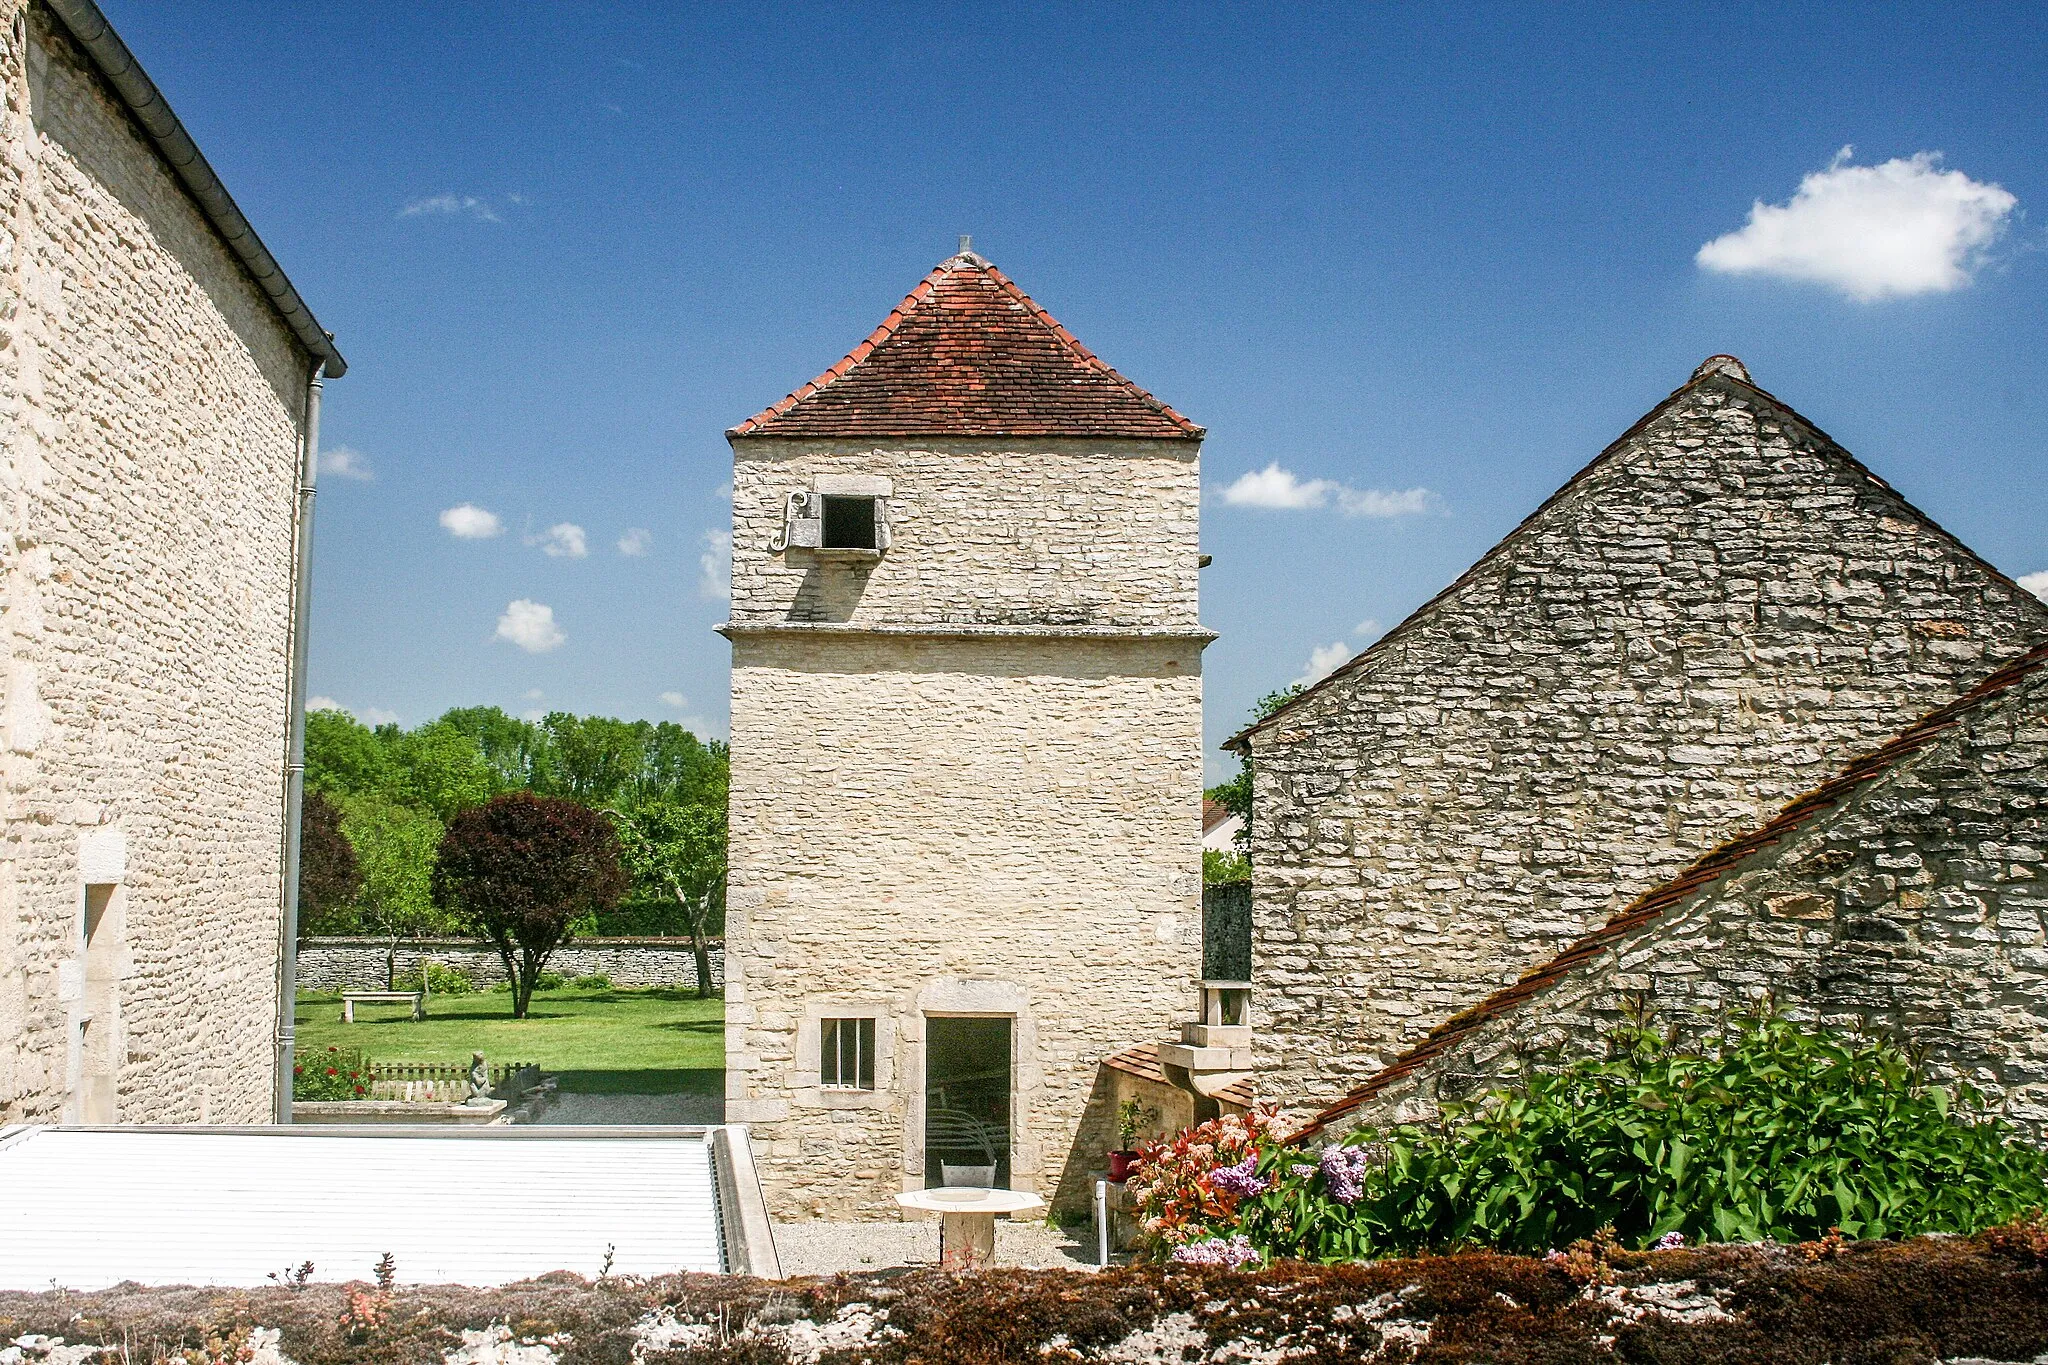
(967, 1220)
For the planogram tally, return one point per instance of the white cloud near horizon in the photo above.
(1278, 489)
(467, 521)
(324, 704)
(1324, 660)
(1369, 629)
(1899, 228)
(344, 462)
(449, 206)
(714, 579)
(369, 715)
(636, 542)
(531, 626)
(675, 699)
(2035, 583)
(563, 540)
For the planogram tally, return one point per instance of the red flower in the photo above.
(332, 1072)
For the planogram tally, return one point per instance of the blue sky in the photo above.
(1386, 249)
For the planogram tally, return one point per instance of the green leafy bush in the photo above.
(440, 979)
(1764, 1131)
(336, 1074)
(594, 981)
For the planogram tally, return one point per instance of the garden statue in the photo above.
(479, 1080)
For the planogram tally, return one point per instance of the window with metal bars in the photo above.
(846, 1053)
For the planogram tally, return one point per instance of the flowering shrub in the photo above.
(1188, 1188)
(1766, 1131)
(336, 1074)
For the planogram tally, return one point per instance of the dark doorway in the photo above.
(967, 1100)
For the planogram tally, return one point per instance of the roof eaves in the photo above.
(1651, 906)
(124, 75)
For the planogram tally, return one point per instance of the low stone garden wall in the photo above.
(357, 964)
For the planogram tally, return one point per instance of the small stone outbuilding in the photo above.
(157, 372)
(1904, 897)
(966, 755)
(1711, 617)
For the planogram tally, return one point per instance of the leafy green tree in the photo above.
(394, 846)
(345, 757)
(521, 870)
(594, 760)
(443, 770)
(1236, 794)
(516, 750)
(679, 850)
(677, 766)
(329, 878)
(1220, 867)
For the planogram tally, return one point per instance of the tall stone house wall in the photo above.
(966, 774)
(1704, 622)
(152, 406)
(1903, 898)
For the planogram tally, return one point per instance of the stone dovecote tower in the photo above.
(966, 742)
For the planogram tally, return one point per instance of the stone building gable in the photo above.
(1704, 621)
(1904, 896)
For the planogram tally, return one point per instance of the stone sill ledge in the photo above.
(963, 630)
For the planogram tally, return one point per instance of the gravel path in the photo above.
(827, 1248)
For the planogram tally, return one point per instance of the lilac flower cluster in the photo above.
(1241, 1180)
(1670, 1241)
(1237, 1253)
(1301, 1170)
(1344, 1172)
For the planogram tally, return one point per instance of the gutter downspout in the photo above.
(295, 752)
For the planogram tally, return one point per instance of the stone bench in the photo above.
(350, 999)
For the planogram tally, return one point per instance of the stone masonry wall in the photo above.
(357, 964)
(1706, 623)
(1913, 910)
(150, 415)
(954, 826)
(1059, 533)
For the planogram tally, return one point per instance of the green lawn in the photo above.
(601, 1042)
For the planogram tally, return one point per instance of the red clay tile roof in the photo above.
(1143, 1061)
(1214, 813)
(967, 353)
(1652, 904)
(1710, 370)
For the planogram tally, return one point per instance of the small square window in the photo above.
(849, 523)
(846, 1053)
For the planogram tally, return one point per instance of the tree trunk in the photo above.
(511, 977)
(391, 964)
(696, 915)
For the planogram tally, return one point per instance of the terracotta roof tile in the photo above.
(967, 353)
(1653, 904)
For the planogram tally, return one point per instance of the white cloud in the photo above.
(675, 699)
(373, 716)
(714, 582)
(1369, 629)
(1323, 661)
(725, 490)
(345, 462)
(536, 715)
(1281, 490)
(324, 704)
(470, 522)
(1903, 227)
(531, 626)
(449, 206)
(563, 540)
(636, 542)
(532, 694)
(2037, 584)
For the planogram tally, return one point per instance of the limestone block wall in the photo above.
(1071, 533)
(1913, 911)
(151, 407)
(357, 964)
(982, 826)
(1706, 623)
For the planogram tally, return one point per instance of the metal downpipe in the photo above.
(295, 754)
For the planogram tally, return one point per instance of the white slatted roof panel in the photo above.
(88, 1208)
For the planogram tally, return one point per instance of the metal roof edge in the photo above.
(92, 31)
(746, 1233)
